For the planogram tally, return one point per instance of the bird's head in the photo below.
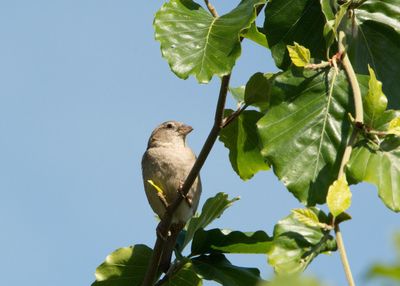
(169, 132)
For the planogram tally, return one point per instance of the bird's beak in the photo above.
(185, 129)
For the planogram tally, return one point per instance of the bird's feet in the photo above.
(162, 231)
(187, 199)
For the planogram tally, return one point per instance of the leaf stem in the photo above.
(343, 256)
(211, 9)
(359, 111)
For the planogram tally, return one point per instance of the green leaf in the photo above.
(379, 164)
(291, 280)
(300, 21)
(296, 244)
(388, 271)
(375, 102)
(299, 55)
(186, 276)
(237, 93)
(241, 138)
(217, 268)
(385, 271)
(227, 241)
(125, 266)
(333, 20)
(255, 35)
(308, 218)
(258, 90)
(195, 43)
(374, 39)
(394, 126)
(212, 209)
(306, 129)
(339, 197)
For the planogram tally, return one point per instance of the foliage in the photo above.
(389, 272)
(318, 125)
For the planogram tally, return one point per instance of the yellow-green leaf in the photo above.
(309, 218)
(339, 196)
(299, 55)
(394, 126)
(375, 102)
(306, 216)
(158, 189)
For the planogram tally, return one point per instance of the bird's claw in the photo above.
(162, 232)
(187, 199)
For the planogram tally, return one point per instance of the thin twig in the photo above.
(359, 111)
(343, 256)
(174, 269)
(359, 118)
(227, 120)
(211, 8)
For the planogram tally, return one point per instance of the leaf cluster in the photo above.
(299, 122)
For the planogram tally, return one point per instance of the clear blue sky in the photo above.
(82, 84)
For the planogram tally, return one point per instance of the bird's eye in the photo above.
(169, 125)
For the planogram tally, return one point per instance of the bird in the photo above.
(165, 165)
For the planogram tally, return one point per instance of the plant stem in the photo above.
(343, 256)
(358, 105)
(211, 8)
(359, 118)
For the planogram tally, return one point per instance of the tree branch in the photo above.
(343, 256)
(359, 111)
(165, 224)
(211, 9)
(359, 118)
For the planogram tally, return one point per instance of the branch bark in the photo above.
(211, 8)
(359, 118)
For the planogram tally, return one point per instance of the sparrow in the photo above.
(165, 165)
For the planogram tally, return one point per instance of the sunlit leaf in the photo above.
(309, 218)
(394, 126)
(292, 280)
(375, 102)
(255, 35)
(379, 163)
(237, 93)
(196, 43)
(339, 196)
(125, 266)
(296, 244)
(212, 209)
(186, 276)
(306, 129)
(299, 55)
(241, 138)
